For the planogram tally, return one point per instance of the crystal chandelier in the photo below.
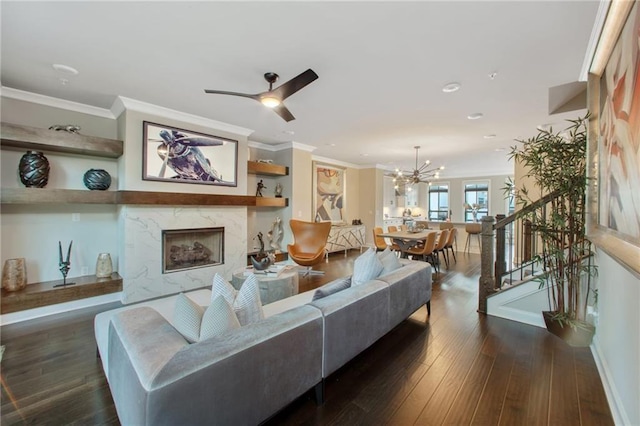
(421, 173)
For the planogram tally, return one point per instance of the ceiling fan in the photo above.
(273, 98)
(419, 174)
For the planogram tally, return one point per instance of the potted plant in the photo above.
(556, 162)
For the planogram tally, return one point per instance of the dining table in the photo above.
(408, 239)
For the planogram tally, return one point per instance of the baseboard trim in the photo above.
(618, 412)
(44, 311)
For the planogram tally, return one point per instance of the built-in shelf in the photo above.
(35, 139)
(55, 196)
(267, 169)
(78, 196)
(44, 293)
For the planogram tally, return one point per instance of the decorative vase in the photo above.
(34, 169)
(104, 267)
(14, 274)
(97, 179)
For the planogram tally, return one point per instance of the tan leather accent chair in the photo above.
(381, 244)
(310, 239)
(426, 250)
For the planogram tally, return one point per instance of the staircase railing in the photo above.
(510, 247)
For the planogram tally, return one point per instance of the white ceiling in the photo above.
(381, 67)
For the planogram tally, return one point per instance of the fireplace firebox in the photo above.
(192, 248)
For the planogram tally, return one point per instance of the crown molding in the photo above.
(603, 8)
(337, 162)
(122, 103)
(35, 98)
(281, 146)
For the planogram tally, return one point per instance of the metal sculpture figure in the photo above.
(65, 265)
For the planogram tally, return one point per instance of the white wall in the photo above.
(616, 345)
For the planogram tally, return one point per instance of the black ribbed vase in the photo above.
(34, 169)
(97, 179)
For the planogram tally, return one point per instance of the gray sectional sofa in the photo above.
(245, 376)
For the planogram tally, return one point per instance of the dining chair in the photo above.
(473, 229)
(426, 250)
(392, 228)
(449, 225)
(440, 247)
(381, 244)
(403, 228)
(449, 246)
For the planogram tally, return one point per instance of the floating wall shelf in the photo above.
(267, 169)
(35, 139)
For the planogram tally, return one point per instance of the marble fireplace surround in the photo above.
(140, 254)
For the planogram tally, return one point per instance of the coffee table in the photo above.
(271, 288)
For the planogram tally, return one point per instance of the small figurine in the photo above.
(275, 234)
(278, 190)
(261, 253)
(260, 188)
(71, 128)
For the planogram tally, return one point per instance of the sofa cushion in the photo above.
(366, 267)
(245, 302)
(389, 261)
(332, 287)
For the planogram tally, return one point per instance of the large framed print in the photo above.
(171, 154)
(614, 137)
(329, 188)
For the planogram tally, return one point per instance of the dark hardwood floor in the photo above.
(459, 367)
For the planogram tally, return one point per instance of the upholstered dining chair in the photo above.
(394, 246)
(472, 229)
(449, 225)
(310, 239)
(426, 250)
(392, 228)
(449, 246)
(442, 243)
(381, 244)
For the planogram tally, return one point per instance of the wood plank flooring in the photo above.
(457, 367)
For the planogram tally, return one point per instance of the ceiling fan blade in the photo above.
(296, 83)
(283, 112)
(223, 92)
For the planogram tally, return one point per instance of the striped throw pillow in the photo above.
(366, 267)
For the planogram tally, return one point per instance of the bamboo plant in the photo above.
(557, 164)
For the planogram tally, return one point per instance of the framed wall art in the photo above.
(177, 155)
(329, 189)
(614, 137)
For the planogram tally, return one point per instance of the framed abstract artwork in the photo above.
(329, 188)
(177, 155)
(614, 137)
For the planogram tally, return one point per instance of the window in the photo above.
(476, 201)
(438, 202)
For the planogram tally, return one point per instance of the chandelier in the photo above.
(423, 173)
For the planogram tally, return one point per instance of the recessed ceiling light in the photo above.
(288, 132)
(451, 87)
(364, 155)
(491, 136)
(66, 69)
(499, 149)
(475, 116)
(493, 75)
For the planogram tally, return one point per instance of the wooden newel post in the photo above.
(486, 263)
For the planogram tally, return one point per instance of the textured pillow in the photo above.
(247, 305)
(187, 316)
(389, 261)
(245, 302)
(366, 267)
(196, 324)
(332, 287)
(217, 319)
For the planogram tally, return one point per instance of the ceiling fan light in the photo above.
(270, 101)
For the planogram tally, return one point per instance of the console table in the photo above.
(345, 237)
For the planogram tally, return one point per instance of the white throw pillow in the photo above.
(187, 316)
(197, 324)
(389, 261)
(366, 267)
(217, 319)
(246, 302)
